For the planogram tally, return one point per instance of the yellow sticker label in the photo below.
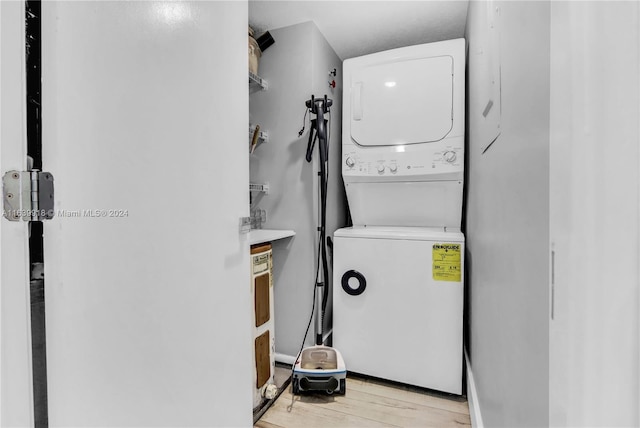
(447, 265)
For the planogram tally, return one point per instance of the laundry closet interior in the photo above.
(439, 194)
(393, 287)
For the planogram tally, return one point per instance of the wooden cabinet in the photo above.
(263, 322)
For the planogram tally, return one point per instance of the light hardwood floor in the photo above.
(367, 403)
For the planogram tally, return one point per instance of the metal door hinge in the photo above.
(27, 195)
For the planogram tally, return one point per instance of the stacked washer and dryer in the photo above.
(399, 271)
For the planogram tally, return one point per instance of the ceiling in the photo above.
(355, 28)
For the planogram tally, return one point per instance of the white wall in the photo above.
(295, 67)
(595, 120)
(507, 224)
(325, 59)
(16, 399)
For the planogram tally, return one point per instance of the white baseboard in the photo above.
(472, 396)
(283, 358)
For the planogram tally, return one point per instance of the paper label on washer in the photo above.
(447, 262)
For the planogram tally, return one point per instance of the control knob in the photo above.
(381, 169)
(450, 156)
(393, 168)
(350, 162)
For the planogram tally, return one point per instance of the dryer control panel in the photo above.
(403, 127)
(443, 158)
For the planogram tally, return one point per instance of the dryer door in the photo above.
(402, 102)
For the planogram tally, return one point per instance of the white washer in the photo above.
(403, 135)
(405, 323)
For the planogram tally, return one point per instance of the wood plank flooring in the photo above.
(367, 403)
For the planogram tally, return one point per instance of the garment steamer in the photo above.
(319, 368)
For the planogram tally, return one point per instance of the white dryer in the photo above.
(398, 302)
(403, 135)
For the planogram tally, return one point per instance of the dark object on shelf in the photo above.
(265, 41)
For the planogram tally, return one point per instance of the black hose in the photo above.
(323, 208)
